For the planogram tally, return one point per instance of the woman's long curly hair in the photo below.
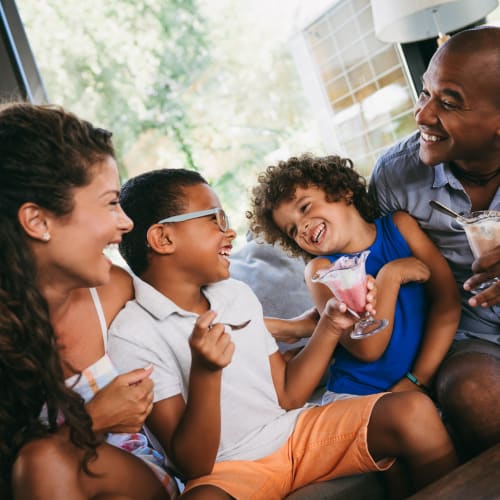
(278, 183)
(45, 152)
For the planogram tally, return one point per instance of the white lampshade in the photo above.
(403, 21)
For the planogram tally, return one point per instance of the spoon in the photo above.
(446, 210)
(233, 326)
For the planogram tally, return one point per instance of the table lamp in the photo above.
(404, 21)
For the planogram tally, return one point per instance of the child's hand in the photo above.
(371, 294)
(407, 270)
(211, 347)
(340, 320)
(336, 311)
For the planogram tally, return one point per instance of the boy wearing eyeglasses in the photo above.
(228, 410)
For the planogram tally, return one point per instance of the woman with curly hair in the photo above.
(61, 398)
(319, 208)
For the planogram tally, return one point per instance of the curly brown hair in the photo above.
(45, 152)
(334, 175)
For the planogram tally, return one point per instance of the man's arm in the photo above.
(444, 298)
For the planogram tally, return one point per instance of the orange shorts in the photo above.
(328, 441)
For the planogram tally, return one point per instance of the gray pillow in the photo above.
(276, 278)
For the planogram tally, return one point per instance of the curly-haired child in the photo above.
(318, 207)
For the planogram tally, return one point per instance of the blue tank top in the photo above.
(353, 376)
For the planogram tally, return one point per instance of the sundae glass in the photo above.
(346, 278)
(482, 229)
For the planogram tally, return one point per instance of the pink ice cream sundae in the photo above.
(346, 278)
(483, 231)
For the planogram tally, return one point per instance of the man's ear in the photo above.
(160, 239)
(34, 221)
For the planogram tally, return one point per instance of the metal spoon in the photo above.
(237, 327)
(233, 326)
(446, 210)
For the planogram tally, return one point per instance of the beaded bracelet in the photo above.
(417, 382)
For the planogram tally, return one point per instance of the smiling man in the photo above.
(454, 158)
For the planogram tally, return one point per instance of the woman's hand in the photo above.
(124, 404)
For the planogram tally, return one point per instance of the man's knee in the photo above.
(468, 378)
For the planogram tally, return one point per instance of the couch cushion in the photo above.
(359, 487)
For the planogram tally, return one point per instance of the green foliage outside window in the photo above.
(180, 83)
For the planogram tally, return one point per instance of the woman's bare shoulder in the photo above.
(115, 294)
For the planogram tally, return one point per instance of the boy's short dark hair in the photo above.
(333, 174)
(148, 198)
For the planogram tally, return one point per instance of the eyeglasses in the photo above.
(220, 216)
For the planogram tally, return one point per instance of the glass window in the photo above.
(393, 78)
(346, 34)
(342, 104)
(340, 13)
(373, 44)
(361, 4)
(353, 55)
(385, 60)
(404, 125)
(364, 82)
(364, 164)
(337, 88)
(365, 20)
(364, 92)
(317, 31)
(380, 137)
(331, 70)
(324, 50)
(351, 125)
(357, 147)
(360, 75)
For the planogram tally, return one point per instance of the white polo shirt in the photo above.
(153, 329)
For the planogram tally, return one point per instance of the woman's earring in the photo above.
(46, 236)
